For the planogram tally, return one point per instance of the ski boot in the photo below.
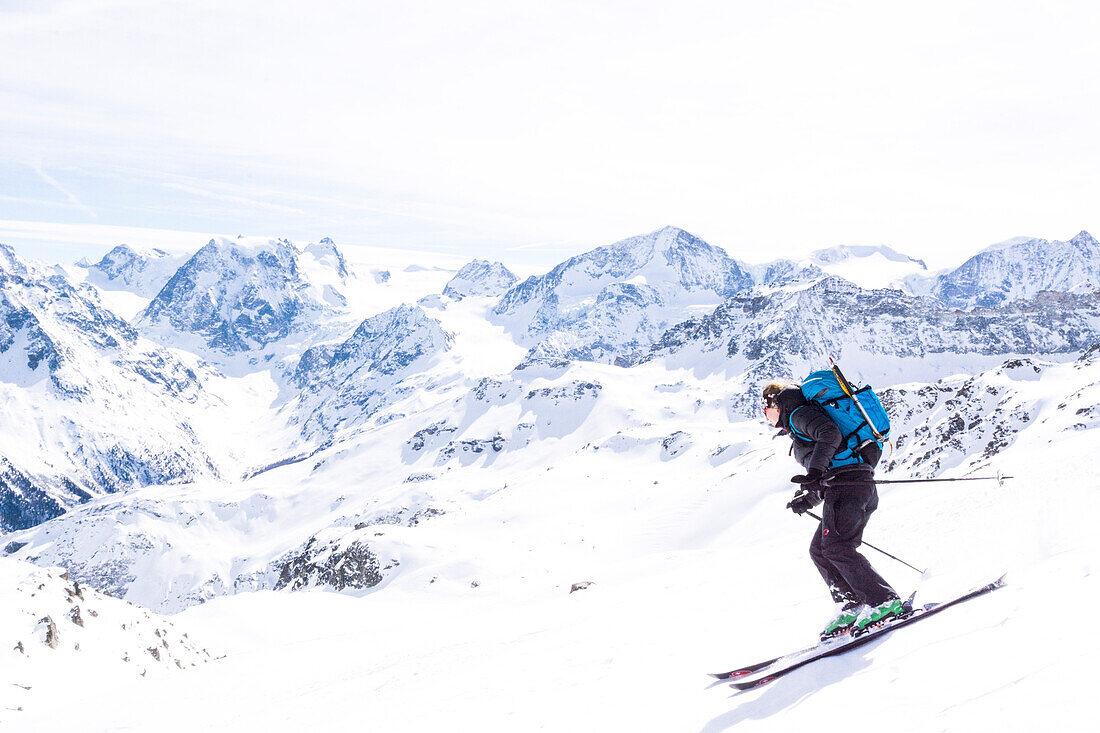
(874, 616)
(843, 621)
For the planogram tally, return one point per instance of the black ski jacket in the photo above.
(809, 419)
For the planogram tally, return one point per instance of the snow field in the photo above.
(689, 576)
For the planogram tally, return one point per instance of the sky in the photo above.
(530, 131)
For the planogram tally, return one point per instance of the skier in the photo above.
(863, 598)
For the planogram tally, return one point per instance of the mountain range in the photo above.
(666, 297)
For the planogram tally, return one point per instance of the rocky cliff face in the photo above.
(960, 421)
(337, 559)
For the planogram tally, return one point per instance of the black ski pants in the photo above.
(834, 549)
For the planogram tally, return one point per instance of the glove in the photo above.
(804, 500)
(811, 481)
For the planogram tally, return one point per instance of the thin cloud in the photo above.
(232, 198)
(66, 192)
(33, 202)
(542, 247)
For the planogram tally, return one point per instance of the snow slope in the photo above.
(478, 629)
(59, 635)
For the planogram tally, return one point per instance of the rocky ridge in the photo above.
(1021, 268)
(895, 337)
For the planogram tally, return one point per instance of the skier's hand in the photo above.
(811, 481)
(804, 500)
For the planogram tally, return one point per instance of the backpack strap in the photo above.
(795, 430)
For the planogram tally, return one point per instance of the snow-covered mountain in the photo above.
(88, 407)
(142, 272)
(480, 278)
(243, 295)
(613, 300)
(490, 550)
(1020, 268)
(352, 380)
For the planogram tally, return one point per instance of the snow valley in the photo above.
(408, 495)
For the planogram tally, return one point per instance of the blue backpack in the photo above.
(860, 427)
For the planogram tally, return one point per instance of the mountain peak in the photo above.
(480, 278)
(1083, 238)
(10, 261)
(672, 233)
(1011, 243)
(615, 299)
(328, 254)
(673, 238)
(142, 271)
(245, 294)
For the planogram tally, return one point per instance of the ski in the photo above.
(866, 637)
(752, 668)
(823, 644)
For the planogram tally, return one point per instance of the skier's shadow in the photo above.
(781, 694)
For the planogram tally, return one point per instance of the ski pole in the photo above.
(884, 552)
(998, 478)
